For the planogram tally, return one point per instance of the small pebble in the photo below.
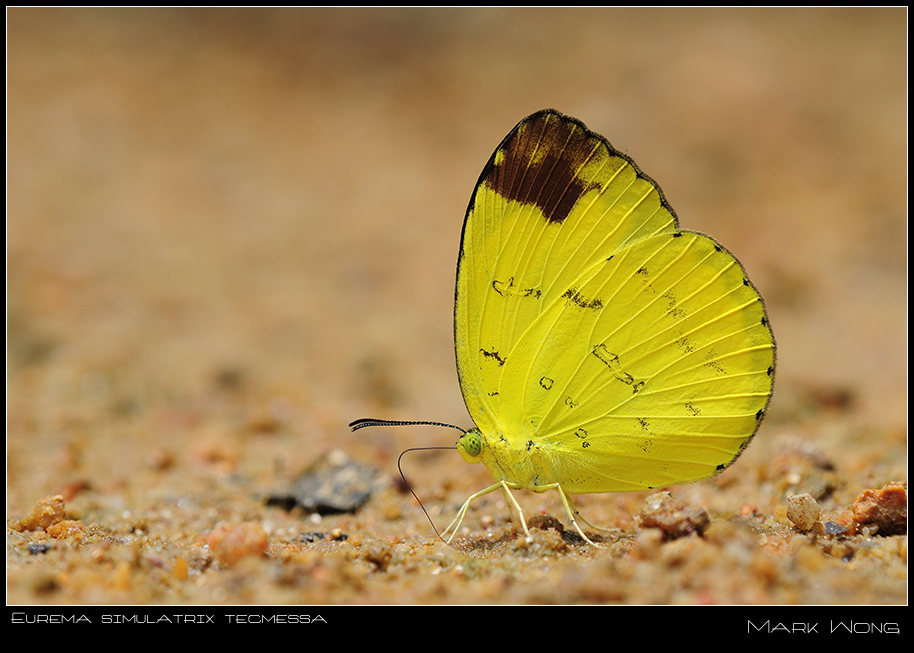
(803, 511)
(47, 512)
(334, 484)
(232, 543)
(673, 517)
(885, 508)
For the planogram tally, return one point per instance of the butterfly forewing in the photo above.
(522, 246)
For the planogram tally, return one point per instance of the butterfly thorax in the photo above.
(521, 463)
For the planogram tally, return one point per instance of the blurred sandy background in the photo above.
(231, 232)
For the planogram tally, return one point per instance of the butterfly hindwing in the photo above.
(653, 395)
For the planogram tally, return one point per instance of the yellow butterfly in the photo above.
(600, 348)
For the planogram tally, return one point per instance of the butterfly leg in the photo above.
(605, 529)
(512, 501)
(463, 511)
(572, 512)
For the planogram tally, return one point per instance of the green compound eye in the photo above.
(471, 442)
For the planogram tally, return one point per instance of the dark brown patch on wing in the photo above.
(538, 163)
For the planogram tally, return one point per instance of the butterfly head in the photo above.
(470, 446)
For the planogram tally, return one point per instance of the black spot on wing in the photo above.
(508, 289)
(573, 296)
(494, 356)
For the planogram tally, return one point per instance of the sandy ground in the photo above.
(231, 232)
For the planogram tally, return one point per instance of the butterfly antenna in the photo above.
(413, 492)
(369, 421)
(362, 423)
